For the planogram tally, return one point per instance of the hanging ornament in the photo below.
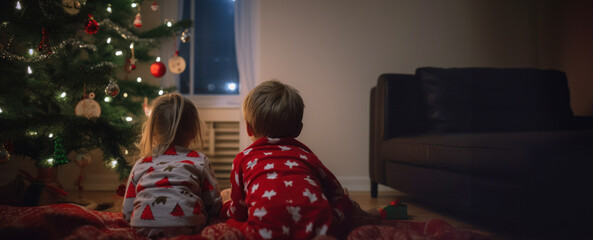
(176, 64)
(44, 43)
(88, 107)
(91, 27)
(146, 107)
(4, 154)
(130, 64)
(72, 7)
(112, 89)
(82, 158)
(185, 36)
(138, 20)
(59, 152)
(154, 6)
(158, 69)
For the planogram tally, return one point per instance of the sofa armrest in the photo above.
(396, 109)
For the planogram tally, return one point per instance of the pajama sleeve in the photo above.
(236, 207)
(338, 199)
(210, 193)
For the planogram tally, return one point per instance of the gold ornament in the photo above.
(176, 64)
(72, 7)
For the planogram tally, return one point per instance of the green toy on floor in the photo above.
(395, 210)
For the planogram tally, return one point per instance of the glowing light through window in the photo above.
(231, 86)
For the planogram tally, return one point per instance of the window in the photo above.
(211, 53)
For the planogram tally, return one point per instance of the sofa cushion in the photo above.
(500, 156)
(494, 100)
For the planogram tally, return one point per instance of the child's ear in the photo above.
(249, 129)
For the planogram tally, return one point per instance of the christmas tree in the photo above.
(61, 64)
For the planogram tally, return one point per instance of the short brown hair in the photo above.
(274, 109)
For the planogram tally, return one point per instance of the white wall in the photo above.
(334, 50)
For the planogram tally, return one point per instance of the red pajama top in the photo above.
(280, 190)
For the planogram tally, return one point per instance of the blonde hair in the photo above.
(274, 109)
(173, 120)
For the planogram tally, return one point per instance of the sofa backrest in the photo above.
(492, 99)
(399, 106)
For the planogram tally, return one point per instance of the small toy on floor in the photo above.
(395, 210)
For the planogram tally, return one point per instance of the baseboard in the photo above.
(360, 184)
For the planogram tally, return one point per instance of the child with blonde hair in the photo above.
(280, 190)
(172, 189)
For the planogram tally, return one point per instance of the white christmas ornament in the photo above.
(88, 107)
(177, 64)
(83, 157)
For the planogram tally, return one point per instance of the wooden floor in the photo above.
(111, 202)
(416, 211)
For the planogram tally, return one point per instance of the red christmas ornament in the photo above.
(158, 69)
(92, 26)
(121, 190)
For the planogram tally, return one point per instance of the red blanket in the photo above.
(69, 221)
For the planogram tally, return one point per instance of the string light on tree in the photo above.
(125, 94)
(113, 163)
(161, 92)
(134, 4)
(109, 8)
(108, 40)
(18, 5)
(107, 99)
(139, 79)
(31, 51)
(63, 95)
(51, 135)
(29, 70)
(129, 119)
(118, 53)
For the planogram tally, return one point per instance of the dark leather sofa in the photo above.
(493, 146)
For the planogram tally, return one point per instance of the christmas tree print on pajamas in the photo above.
(280, 190)
(176, 189)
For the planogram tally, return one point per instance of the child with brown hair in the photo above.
(280, 190)
(172, 189)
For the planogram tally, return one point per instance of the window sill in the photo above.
(216, 101)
